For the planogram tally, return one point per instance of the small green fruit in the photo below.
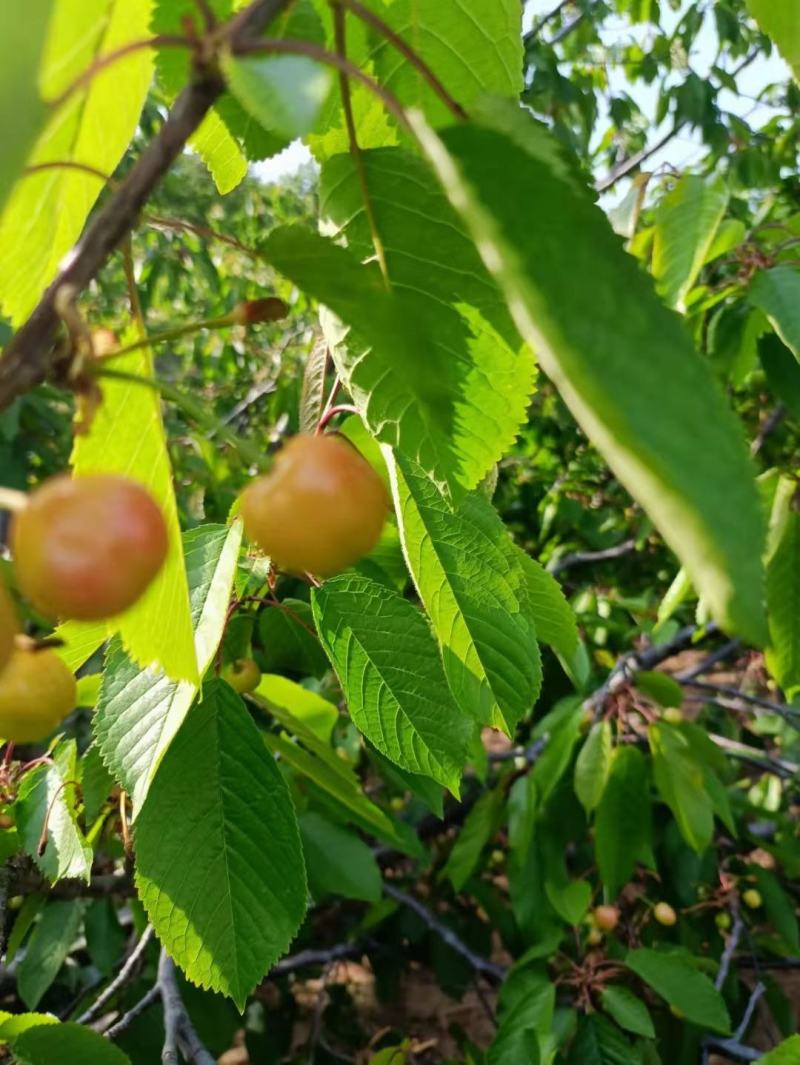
(664, 914)
(673, 716)
(723, 921)
(752, 898)
(243, 675)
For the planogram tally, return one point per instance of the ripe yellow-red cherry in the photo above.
(87, 548)
(606, 918)
(8, 626)
(320, 508)
(664, 914)
(37, 691)
(243, 675)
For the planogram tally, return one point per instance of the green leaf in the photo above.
(337, 861)
(45, 213)
(560, 728)
(622, 827)
(783, 589)
(780, 19)
(679, 982)
(686, 222)
(478, 828)
(680, 780)
(476, 593)
(344, 789)
(598, 1042)
(127, 437)
(140, 711)
(303, 706)
(14, 1024)
(513, 1045)
(660, 687)
(387, 662)
(435, 269)
(627, 1010)
(219, 150)
(589, 312)
(779, 908)
(96, 783)
(28, 912)
(288, 640)
(80, 640)
(22, 110)
(553, 616)
(48, 948)
(783, 372)
(46, 794)
(569, 898)
(593, 766)
(472, 50)
(787, 1053)
(66, 1044)
(219, 813)
(284, 93)
(777, 293)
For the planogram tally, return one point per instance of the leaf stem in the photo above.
(220, 322)
(163, 40)
(340, 36)
(405, 49)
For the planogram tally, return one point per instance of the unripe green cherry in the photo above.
(37, 691)
(664, 914)
(752, 898)
(673, 716)
(243, 675)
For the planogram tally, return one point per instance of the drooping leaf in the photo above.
(590, 313)
(783, 588)
(50, 943)
(660, 687)
(783, 372)
(434, 267)
(627, 1010)
(599, 1042)
(127, 437)
(219, 812)
(140, 711)
(387, 662)
(553, 616)
(593, 766)
(559, 729)
(680, 983)
(46, 212)
(22, 111)
(476, 593)
(687, 219)
(48, 794)
(622, 828)
(66, 1044)
(337, 861)
(780, 19)
(217, 147)
(476, 832)
(777, 293)
(302, 707)
(96, 783)
(284, 93)
(681, 782)
(312, 395)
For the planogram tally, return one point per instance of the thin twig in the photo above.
(707, 663)
(770, 425)
(730, 948)
(787, 712)
(479, 964)
(121, 980)
(127, 1019)
(580, 558)
(306, 959)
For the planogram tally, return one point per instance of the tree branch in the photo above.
(479, 964)
(30, 353)
(127, 1019)
(179, 1032)
(580, 558)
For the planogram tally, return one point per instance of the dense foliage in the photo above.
(520, 785)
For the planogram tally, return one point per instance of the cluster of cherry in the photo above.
(86, 549)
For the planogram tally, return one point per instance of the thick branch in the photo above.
(179, 1032)
(29, 356)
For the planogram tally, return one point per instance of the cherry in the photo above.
(37, 691)
(606, 918)
(243, 675)
(673, 716)
(664, 914)
(319, 509)
(8, 626)
(752, 898)
(87, 548)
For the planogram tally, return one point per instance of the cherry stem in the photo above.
(13, 500)
(163, 40)
(221, 322)
(341, 408)
(8, 754)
